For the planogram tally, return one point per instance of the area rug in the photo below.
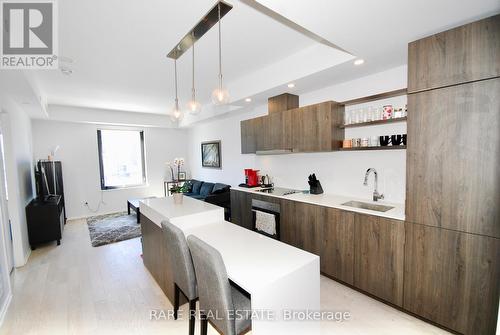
(111, 228)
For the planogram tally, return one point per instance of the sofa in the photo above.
(214, 193)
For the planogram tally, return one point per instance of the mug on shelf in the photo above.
(356, 142)
(374, 142)
(346, 144)
(396, 139)
(385, 140)
(403, 139)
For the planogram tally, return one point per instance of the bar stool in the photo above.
(182, 269)
(221, 304)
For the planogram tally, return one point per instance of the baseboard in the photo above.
(5, 308)
(27, 256)
(89, 216)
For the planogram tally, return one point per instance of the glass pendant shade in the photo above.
(220, 96)
(176, 115)
(194, 107)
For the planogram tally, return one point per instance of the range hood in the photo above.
(274, 152)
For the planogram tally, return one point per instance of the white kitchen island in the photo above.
(283, 281)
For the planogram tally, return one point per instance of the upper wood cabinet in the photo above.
(307, 129)
(459, 55)
(282, 102)
(316, 127)
(379, 256)
(274, 132)
(452, 278)
(453, 177)
(337, 249)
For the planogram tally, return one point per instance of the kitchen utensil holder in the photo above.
(316, 188)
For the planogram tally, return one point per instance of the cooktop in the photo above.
(279, 191)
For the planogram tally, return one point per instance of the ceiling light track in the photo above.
(208, 21)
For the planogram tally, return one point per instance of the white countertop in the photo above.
(336, 201)
(190, 213)
(252, 260)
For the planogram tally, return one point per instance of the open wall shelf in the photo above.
(390, 147)
(371, 123)
(374, 97)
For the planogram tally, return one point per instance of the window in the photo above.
(121, 158)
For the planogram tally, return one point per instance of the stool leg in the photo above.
(192, 311)
(203, 324)
(176, 300)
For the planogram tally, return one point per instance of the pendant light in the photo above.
(176, 115)
(220, 95)
(194, 106)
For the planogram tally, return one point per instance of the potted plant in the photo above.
(177, 192)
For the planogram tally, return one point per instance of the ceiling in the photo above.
(118, 47)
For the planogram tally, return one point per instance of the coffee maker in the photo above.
(251, 178)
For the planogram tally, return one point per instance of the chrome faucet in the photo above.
(376, 195)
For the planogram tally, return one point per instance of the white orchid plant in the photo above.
(178, 162)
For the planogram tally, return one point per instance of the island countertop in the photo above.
(278, 277)
(190, 213)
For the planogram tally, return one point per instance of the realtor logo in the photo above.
(29, 34)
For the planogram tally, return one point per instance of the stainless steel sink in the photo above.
(366, 205)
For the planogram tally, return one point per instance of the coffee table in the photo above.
(133, 204)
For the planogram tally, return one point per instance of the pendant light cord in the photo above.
(175, 74)
(193, 91)
(220, 52)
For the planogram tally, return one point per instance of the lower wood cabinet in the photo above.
(337, 249)
(241, 209)
(301, 225)
(379, 256)
(452, 278)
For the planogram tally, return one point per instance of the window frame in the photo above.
(101, 162)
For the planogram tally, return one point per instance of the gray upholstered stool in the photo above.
(182, 269)
(219, 300)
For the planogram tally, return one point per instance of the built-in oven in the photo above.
(266, 218)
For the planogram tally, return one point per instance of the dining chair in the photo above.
(222, 304)
(182, 270)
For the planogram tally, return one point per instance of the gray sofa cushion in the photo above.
(206, 189)
(220, 188)
(196, 186)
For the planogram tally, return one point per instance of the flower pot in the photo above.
(178, 198)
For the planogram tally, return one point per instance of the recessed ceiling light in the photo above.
(248, 99)
(359, 61)
(291, 85)
(66, 70)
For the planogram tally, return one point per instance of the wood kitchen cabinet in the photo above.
(452, 158)
(241, 208)
(316, 127)
(301, 225)
(275, 132)
(452, 278)
(337, 249)
(249, 129)
(455, 56)
(312, 128)
(379, 257)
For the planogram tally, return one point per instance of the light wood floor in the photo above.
(78, 289)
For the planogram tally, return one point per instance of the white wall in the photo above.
(16, 126)
(339, 172)
(79, 156)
